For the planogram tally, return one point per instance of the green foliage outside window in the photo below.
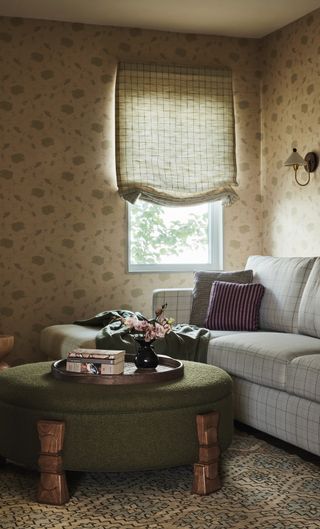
(154, 235)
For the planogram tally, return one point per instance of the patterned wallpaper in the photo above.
(63, 226)
(291, 118)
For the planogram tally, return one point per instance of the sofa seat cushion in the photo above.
(217, 334)
(260, 357)
(303, 377)
(57, 340)
(284, 279)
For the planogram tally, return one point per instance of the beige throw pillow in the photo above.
(202, 288)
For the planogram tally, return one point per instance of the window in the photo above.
(175, 151)
(164, 238)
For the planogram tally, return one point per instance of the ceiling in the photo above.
(237, 18)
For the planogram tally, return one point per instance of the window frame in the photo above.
(215, 238)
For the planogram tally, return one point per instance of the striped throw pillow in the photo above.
(234, 306)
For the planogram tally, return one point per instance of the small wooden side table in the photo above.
(6, 345)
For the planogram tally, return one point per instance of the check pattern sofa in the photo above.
(276, 370)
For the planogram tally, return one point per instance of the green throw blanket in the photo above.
(185, 342)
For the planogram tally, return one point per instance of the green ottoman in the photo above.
(112, 428)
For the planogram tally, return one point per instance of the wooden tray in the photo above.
(168, 369)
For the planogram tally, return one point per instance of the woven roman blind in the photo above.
(175, 134)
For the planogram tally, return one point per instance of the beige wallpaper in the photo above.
(63, 226)
(291, 118)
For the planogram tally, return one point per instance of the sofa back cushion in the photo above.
(284, 279)
(202, 288)
(234, 307)
(309, 310)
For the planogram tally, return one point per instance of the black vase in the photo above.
(146, 358)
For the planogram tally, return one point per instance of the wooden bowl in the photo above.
(6, 344)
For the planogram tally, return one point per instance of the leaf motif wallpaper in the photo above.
(63, 225)
(63, 228)
(291, 118)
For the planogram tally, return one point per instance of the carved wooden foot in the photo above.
(205, 473)
(53, 487)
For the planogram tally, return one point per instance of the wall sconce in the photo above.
(309, 162)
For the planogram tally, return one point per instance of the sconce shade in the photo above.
(295, 159)
(310, 163)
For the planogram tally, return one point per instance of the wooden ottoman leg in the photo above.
(205, 473)
(53, 487)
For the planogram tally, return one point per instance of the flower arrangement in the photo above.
(149, 330)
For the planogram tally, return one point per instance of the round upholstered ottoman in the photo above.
(112, 428)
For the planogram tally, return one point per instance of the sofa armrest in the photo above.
(179, 302)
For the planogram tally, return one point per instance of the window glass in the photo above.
(174, 238)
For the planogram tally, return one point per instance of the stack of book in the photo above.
(95, 361)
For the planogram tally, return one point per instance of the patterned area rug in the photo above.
(264, 487)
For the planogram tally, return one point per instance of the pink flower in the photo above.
(149, 330)
(141, 326)
(150, 334)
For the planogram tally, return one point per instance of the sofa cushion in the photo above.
(217, 334)
(57, 340)
(260, 357)
(202, 287)
(309, 310)
(284, 279)
(234, 307)
(303, 377)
